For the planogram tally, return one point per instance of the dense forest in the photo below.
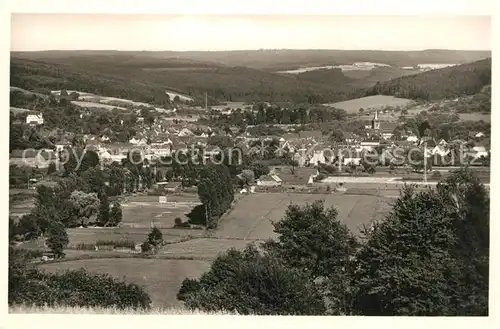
(449, 82)
(145, 76)
(108, 76)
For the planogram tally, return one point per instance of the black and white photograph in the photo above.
(249, 164)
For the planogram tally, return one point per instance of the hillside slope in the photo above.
(145, 80)
(466, 79)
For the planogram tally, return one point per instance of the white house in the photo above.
(269, 180)
(480, 151)
(104, 138)
(348, 161)
(136, 141)
(185, 132)
(387, 135)
(161, 149)
(369, 145)
(479, 135)
(440, 150)
(317, 158)
(412, 139)
(34, 119)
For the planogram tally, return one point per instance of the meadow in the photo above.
(370, 102)
(188, 252)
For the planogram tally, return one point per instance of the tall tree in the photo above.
(430, 255)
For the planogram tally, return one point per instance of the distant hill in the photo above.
(466, 79)
(282, 59)
(245, 76)
(146, 80)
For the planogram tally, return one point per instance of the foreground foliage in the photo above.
(32, 287)
(430, 256)
(251, 283)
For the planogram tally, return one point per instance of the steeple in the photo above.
(375, 122)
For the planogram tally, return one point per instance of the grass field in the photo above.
(252, 217)
(370, 102)
(250, 220)
(141, 211)
(475, 117)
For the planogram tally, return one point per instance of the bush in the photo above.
(251, 283)
(146, 247)
(155, 237)
(115, 216)
(32, 287)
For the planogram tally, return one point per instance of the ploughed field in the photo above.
(188, 253)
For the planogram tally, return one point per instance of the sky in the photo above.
(31, 32)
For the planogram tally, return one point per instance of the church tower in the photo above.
(375, 122)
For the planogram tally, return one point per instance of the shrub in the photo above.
(251, 283)
(146, 247)
(32, 287)
(155, 237)
(115, 216)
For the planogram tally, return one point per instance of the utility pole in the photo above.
(206, 101)
(425, 165)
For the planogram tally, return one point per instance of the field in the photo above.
(183, 98)
(91, 105)
(250, 221)
(89, 100)
(370, 102)
(475, 117)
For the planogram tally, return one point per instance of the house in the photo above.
(479, 151)
(169, 186)
(412, 138)
(314, 134)
(350, 137)
(369, 145)
(34, 118)
(352, 159)
(479, 135)
(295, 176)
(104, 138)
(161, 148)
(185, 132)
(440, 150)
(269, 180)
(317, 158)
(137, 141)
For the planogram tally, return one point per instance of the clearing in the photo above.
(370, 103)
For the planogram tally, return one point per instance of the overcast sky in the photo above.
(190, 32)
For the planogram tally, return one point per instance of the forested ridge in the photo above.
(466, 79)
